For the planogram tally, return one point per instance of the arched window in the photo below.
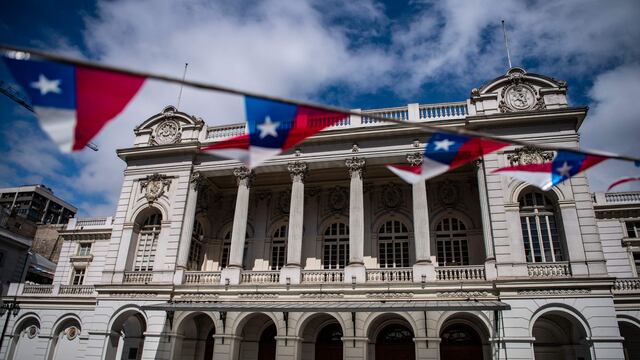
(278, 247)
(147, 243)
(451, 241)
(196, 246)
(539, 228)
(393, 244)
(336, 246)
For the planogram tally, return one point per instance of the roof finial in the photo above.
(184, 75)
(506, 44)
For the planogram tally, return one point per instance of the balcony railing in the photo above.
(34, 289)
(623, 286)
(460, 273)
(390, 275)
(76, 290)
(424, 112)
(322, 276)
(260, 277)
(137, 277)
(549, 270)
(202, 277)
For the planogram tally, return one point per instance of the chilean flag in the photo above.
(73, 103)
(565, 164)
(444, 152)
(273, 127)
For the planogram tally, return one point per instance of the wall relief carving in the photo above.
(154, 186)
(527, 155)
(519, 96)
(448, 193)
(338, 199)
(284, 202)
(168, 132)
(391, 196)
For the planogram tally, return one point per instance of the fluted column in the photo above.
(184, 246)
(291, 272)
(244, 177)
(423, 268)
(355, 269)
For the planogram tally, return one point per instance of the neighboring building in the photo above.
(37, 203)
(323, 253)
(47, 241)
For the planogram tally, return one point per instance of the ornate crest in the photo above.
(519, 96)
(154, 186)
(168, 132)
(527, 155)
(448, 193)
(338, 199)
(391, 196)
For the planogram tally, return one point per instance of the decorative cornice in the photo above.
(297, 170)
(244, 176)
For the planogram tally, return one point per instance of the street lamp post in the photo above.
(8, 308)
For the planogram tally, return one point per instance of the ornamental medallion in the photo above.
(154, 186)
(168, 132)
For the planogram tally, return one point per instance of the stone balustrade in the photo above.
(35, 289)
(137, 277)
(260, 277)
(390, 275)
(322, 276)
(423, 112)
(631, 285)
(202, 277)
(76, 290)
(549, 270)
(460, 273)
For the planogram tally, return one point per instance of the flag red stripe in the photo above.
(100, 96)
(308, 121)
(238, 142)
(622, 181)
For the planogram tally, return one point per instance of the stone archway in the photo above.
(321, 338)
(391, 336)
(257, 333)
(24, 344)
(65, 342)
(559, 336)
(195, 337)
(464, 335)
(631, 334)
(127, 336)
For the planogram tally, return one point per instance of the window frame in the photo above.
(148, 237)
(452, 244)
(541, 228)
(395, 243)
(78, 276)
(278, 253)
(335, 246)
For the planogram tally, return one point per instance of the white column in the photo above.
(356, 221)
(291, 272)
(487, 234)
(239, 231)
(573, 235)
(187, 226)
(423, 268)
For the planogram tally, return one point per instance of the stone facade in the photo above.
(323, 253)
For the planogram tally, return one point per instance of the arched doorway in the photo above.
(631, 344)
(25, 342)
(127, 339)
(460, 341)
(559, 336)
(195, 338)
(321, 336)
(329, 343)
(395, 341)
(65, 342)
(267, 345)
(257, 332)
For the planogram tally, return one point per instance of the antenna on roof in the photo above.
(506, 43)
(184, 75)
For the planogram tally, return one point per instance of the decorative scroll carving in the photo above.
(298, 170)
(257, 295)
(154, 186)
(554, 292)
(519, 96)
(527, 155)
(390, 295)
(244, 176)
(462, 294)
(321, 295)
(415, 159)
(168, 132)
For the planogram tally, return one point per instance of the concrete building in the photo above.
(37, 203)
(323, 253)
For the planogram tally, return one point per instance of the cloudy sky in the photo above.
(354, 54)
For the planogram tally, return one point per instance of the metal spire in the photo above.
(184, 75)
(506, 43)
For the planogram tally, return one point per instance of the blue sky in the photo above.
(355, 54)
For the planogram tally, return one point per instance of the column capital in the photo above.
(298, 170)
(415, 158)
(244, 176)
(355, 165)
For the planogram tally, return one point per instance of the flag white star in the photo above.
(443, 144)
(564, 170)
(46, 86)
(268, 128)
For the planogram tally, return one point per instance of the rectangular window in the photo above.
(224, 258)
(146, 252)
(278, 251)
(633, 229)
(336, 254)
(78, 276)
(84, 249)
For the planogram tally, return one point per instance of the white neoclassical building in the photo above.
(323, 253)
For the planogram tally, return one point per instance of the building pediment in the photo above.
(170, 126)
